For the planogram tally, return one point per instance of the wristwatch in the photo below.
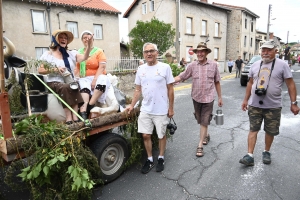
(295, 102)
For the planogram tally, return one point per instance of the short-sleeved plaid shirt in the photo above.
(204, 78)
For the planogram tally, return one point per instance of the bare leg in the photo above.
(85, 97)
(75, 107)
(68, 114)
(268, 141)
(95, 97)
(203, 134)
(162, 145)
(148, 144)
(252, 137)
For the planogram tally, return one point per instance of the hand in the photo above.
(93, 83)
(245, 105)
(295, 109)
(220, 102)
(129, 108)
(90, 40)
(170, 113)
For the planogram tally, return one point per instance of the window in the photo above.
(189, 22)
(39, 51)
(245, 23)
(72, 27)
(251, 42)
(144, 8)
(39, 21)
(98, 31)
(204, 27)
(217, 29)
(245, 41)
(151, 5)
(187, 55)
(216, 53)
(252, 26)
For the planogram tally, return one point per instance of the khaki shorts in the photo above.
(203, 112)
(271, 118)
(146, 123)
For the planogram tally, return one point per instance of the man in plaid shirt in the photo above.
(206, 78)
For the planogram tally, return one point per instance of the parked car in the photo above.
(244, 75)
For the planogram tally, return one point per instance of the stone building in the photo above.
(199, 21)
(241, 32)
(30, 23)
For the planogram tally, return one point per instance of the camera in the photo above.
(172, 127)
(260, 91)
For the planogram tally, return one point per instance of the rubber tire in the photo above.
(115, 146)
(243, 81)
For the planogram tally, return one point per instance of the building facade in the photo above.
(30, 23)
(241, 32)
(198, 22)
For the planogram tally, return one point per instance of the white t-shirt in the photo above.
(47, 56)
(154, 80)
(273, 97)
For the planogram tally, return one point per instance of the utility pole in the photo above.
(270, 7)
(287, 39)
(177, 42)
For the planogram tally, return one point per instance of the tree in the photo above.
(157, 32)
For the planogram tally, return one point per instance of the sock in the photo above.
(150, 158)
(266, 151)
(250, 154)
(161, 157)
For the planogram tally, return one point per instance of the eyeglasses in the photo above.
(150, 51)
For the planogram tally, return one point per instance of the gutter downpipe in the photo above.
(49, 19)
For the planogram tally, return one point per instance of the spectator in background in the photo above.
(183, 62)
(175, 62)
(287, 54)
(298, 59)
(238, 66)
(216, 60)
(230, 64)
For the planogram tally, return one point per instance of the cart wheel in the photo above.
(112, 152)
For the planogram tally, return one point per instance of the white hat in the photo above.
(86, 32)
(269, 45)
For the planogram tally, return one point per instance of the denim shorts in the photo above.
(271, 118)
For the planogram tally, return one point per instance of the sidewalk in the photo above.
(188, 83)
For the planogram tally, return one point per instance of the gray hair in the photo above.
(148, 43)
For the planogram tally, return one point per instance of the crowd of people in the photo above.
(154, 81)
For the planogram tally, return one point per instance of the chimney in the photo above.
(204, 1)
(271, 36)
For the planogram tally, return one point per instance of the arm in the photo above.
(247, 95)
(171, 100)
(293, 94)
(83, 57)
(136, 96)
(177, 79)
(218, 89)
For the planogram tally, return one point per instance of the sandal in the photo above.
(206, 140)
(69, 122)
(199, 152)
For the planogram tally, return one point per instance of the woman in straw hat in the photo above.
(63, 62)
(93, 80)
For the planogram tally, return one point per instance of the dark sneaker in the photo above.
(147, 167)
(266, 157)
(247, 160)
(160, 165)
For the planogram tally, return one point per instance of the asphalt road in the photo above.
(218, 175)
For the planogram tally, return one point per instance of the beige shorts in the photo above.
(146, 123)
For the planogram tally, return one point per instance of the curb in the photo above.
(190, 85)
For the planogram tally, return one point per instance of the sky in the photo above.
(286, 25)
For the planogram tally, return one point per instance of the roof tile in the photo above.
(87, 4)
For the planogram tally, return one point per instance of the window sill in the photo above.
(42, 33)
(217, 37)
(203, 35)
(190, 34)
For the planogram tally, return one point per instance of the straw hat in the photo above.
(202, 46)
(57, 32)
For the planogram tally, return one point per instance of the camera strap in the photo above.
(173, 120)
(273, 63)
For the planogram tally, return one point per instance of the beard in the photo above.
(267, 60)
